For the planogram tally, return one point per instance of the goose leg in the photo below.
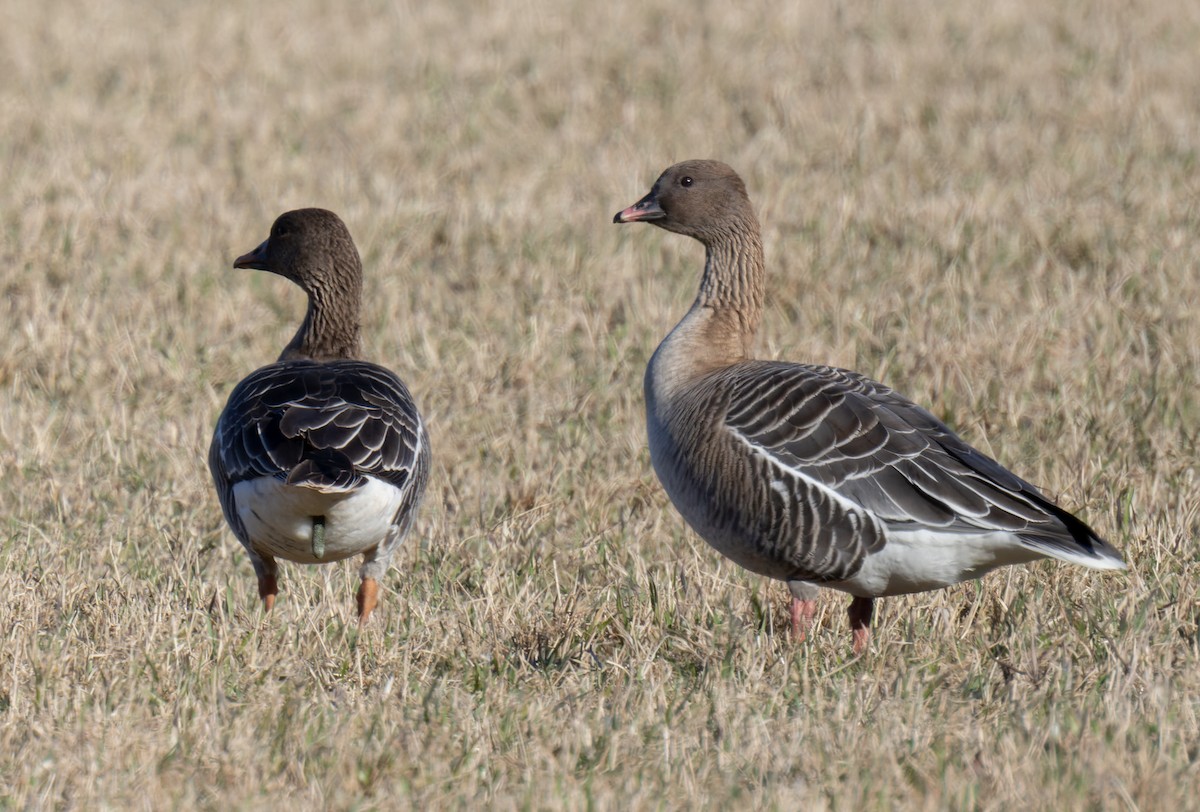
(368, 596)
(804, 607)
(375, 564)
(268, 587)
(861, 610)
(802, 617)
(267, 590)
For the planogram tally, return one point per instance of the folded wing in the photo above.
(323, 425)
(837, 438)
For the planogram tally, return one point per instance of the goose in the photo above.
(319, 456)
(813, 474)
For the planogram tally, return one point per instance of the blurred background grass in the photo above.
(990, 206)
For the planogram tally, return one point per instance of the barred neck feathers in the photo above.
(733, 286)
(330, 330)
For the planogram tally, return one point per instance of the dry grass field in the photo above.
(992, 206)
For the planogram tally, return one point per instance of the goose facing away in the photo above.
(812, 474)
(319, 456)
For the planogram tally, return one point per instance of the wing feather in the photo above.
(860, 455)
(329, 423)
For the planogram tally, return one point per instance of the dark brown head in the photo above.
(701, 199)
(311, 247)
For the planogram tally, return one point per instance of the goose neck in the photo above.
(330, 330)
(733, 282)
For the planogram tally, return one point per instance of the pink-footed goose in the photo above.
(812, 474)
(319, 456)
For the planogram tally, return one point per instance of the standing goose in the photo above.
(811, 474)
(319, 456)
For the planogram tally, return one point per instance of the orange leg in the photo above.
(368, 596)
(861, 610)
(267, 590)
(802, 617)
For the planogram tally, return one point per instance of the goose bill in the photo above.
(645, 209)
(256, 259)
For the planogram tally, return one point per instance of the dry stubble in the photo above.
(989, 205)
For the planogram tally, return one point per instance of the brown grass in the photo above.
(990, 205)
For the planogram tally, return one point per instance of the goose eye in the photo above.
(685, 181)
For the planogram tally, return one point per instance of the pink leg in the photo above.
(802, 617)
(861, 610)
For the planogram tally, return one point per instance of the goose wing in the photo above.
(839, 441)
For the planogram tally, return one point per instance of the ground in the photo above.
(991, 206)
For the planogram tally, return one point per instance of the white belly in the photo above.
(279, 518)
(921, 560)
